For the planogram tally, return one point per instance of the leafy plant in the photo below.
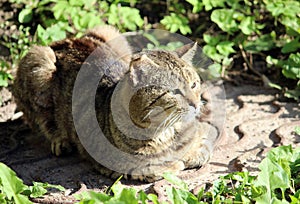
(277, 182)
(4, 75)
(18, 44)
(13, 190)
(121, 194)
(175, 22)
(77, 16)
(297, 130)
(291, 70)
(267, 29)
(232, 33)
(45, 21)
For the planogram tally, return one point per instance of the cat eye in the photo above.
(178, 91)
(194, 85)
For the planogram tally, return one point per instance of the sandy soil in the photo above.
(255, 122)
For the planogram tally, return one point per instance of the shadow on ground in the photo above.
(255, 122)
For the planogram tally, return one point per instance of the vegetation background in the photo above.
(250, 41)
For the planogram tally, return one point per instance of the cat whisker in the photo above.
(146, 116)
(168, 122)
(163, 124)
(175, 119)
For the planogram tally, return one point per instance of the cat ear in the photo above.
(187, 52)
(141, 70)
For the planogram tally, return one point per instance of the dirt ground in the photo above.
(255, 122)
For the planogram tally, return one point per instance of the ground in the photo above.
(256, 120)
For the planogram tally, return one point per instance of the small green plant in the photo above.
(18, 44)
(13, 190)
(4, 75)
(175, 22)
(45, 21)
(277, 182)
(76, 16)
(117, 193)
(291, 70)
(264, 30)
(297, 130)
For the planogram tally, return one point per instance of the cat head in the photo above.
(166, 88)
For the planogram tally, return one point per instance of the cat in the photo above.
(147, 104)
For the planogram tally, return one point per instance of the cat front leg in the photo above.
(202, 147)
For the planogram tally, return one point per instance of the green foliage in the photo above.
(291, 70)
(156, 44)
(4, 75)
(232, 31)
(297, 130)
(175, 22)
(246, 28)
(13, 190)
(18, 44)
(277, 182)
(53, 20)
(75, 17)
(121, 194)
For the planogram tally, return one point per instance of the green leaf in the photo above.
(291, 22)
(211, 52)
(263, 43)
(286, 8)
(175, 197)
(35, 191)
(291, 67)
(153, 198)
(2, 198)
(209, 4)
(130, 17)
(295, 94)
(212, 40)
(4, 78)
(225, 48)
(292, 46)
(276, 172)
(176, 22)
(128, 195)
(25, 16)
(175, 180)
(12, 185)
(197, 5)
(275, 86)
(214, 70)
(59, 9)
(297, 130)
(76, 2)
(142, 196)
(225, 19)
(99, 197)
(248, 25)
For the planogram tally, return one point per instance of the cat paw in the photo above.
(146, 178)
(60, 146)
(156, 171)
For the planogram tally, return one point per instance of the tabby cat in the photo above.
(147, 104)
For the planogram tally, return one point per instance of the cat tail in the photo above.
(33, 82)
(39, 66)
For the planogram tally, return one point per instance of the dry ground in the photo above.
(255, 122)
